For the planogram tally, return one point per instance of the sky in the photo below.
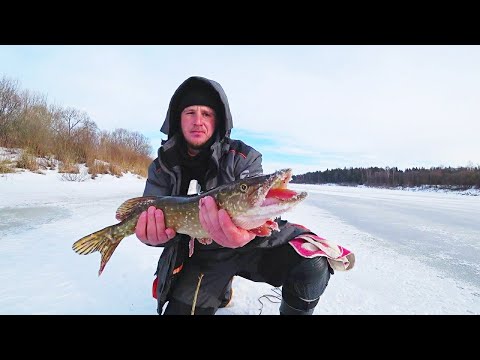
(416, 252)
(308, 107)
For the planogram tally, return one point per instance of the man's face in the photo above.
(198, 124)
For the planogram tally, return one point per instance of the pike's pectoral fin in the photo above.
(265, 229)
(205, 241)
(129, 205)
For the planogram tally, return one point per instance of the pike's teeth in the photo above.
(270, 201)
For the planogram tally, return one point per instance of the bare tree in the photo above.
(86, 140)
(72, 118)
(140, 144)
(10, 106)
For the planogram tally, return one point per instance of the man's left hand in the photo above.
(220, 227)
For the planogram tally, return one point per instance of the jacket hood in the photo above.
(171, 125)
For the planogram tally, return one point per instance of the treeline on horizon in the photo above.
(460, 178)
(66, 134)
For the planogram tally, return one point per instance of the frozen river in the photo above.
(416, 252)
(440, 229)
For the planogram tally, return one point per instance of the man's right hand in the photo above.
(151, 229)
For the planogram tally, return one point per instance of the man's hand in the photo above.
(151, 229)
(220, 227)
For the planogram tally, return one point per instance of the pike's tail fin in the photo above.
(103, 241)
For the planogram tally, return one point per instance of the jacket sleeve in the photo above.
(248, 162)
(255, 164)
(158, 182)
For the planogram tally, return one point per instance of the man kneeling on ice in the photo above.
(199, 147)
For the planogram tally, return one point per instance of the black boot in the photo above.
(286, 309)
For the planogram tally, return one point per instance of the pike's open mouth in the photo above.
(271, 198)
(275, 190)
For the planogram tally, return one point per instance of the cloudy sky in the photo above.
(305, 107)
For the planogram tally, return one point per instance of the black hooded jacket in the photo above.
(230, 160)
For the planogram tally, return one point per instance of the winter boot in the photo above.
(286, 309)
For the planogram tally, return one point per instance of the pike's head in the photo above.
(253, 203)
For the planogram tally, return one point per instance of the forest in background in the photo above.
(459, 178)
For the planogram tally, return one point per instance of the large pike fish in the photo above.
(252, 203)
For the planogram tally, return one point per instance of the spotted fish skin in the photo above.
(252, 203)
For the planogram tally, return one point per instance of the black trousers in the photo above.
(303, 280)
